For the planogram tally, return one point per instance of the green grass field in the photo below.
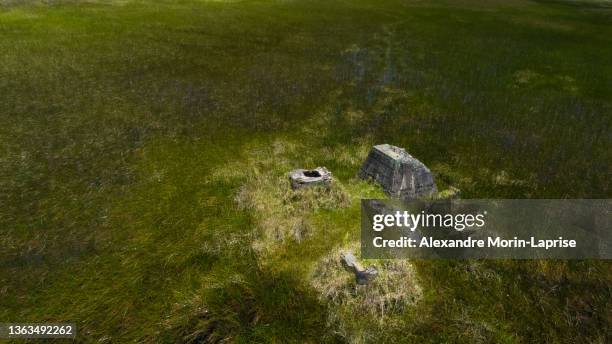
(144, 147)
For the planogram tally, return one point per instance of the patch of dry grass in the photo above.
(282, 213)
(360, 313)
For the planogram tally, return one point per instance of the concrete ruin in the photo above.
(363, 276)
(319, 176)
(400, 175)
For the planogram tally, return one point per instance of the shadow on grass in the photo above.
(266, 306)
(577, 3)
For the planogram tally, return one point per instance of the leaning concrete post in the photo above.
(363, 276)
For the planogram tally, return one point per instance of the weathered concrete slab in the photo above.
(300, 177)
(399, 173)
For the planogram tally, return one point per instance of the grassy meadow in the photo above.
(144, 147)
